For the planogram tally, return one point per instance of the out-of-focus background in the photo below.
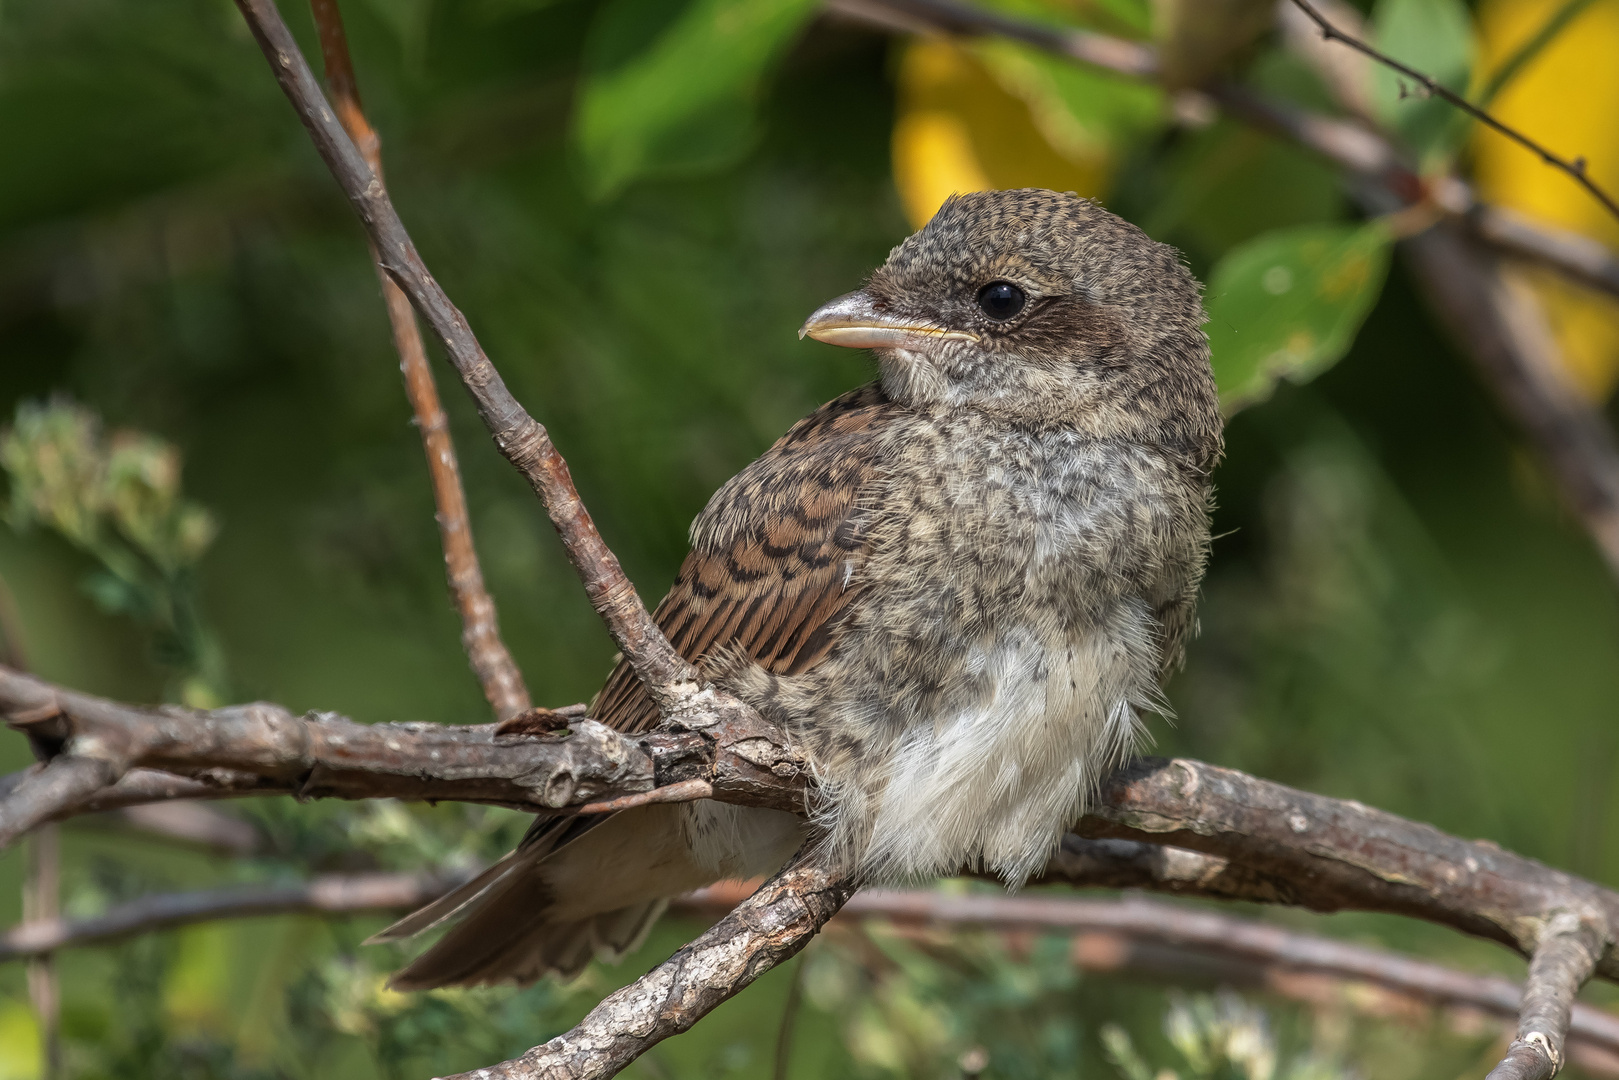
(636, 203)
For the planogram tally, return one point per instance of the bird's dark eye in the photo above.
(1001, 300)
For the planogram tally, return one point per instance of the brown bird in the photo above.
(957, 587)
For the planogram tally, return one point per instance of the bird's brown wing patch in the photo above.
(775, 556)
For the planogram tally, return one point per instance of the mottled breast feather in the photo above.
(775, 555)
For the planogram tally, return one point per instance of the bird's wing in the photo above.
(775, 555)
(774, 563)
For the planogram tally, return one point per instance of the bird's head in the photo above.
(1043, 309)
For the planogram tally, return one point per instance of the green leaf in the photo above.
(1436, 38)
(1289, 303)
(1081, 111)
(672, 90)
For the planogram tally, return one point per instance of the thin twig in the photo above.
(44, 791)
(767, 928)
(789, 1020)
(521, 439)
(491, 661)
(328, 894)
(1575, 168)
(42, 902)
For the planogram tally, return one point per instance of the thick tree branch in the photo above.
(770, 926)
(1335, 855)
(1222, 833)
(264, 749)
(1243, 837)
(491, 661)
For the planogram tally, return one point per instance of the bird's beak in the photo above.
(853, 321)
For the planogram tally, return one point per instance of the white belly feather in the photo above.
(997, 780)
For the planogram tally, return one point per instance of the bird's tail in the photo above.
(548, 908)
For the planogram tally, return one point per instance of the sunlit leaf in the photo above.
(1436, 38)
(1289, 303)
(673, 90)
(1576, 67)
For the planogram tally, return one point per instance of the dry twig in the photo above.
(1575, 168)
(491, 661)
(519, 437)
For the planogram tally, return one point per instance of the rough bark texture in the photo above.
(768, 927)
(263, 748)
(1333, 854)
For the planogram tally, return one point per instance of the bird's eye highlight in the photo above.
(1001, 300)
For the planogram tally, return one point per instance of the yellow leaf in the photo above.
(1567, 97)
(21, 1055)
(958, 130)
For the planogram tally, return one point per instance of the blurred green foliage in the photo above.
(1289, 303)
(117, 498)
(636, 205)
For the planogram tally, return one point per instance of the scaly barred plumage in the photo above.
(957, 587)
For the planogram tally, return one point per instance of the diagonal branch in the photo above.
(1563, 960)
(762, 931)
(1575, 168)
(520, 438)
(491, 661)
(1502, 327)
